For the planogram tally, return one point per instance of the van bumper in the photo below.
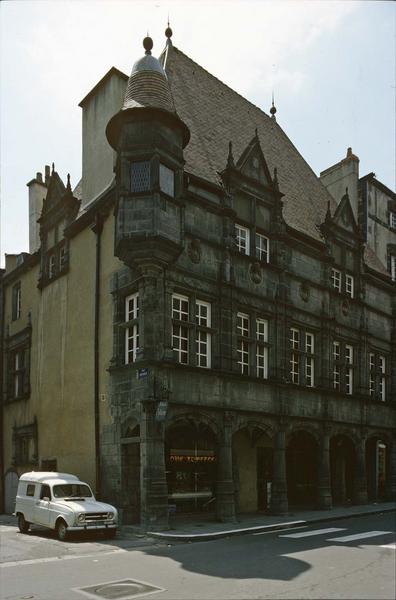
(89, 527)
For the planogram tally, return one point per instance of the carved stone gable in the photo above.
(252, 163)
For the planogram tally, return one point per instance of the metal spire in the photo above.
(273, 108)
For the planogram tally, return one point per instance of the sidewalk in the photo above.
(195, 528)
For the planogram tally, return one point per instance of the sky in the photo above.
(331, 66)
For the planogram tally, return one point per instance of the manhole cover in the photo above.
(120, 590)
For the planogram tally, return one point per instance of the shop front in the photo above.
(191, 466)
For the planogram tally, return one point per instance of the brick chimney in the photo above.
(37, 192)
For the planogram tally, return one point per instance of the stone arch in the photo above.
(242, 422)
(194, 418)
(353, 436)
(296, 427)
(129, 425)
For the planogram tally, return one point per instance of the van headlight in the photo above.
(81, 518)
(110, 515)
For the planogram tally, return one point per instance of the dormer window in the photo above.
(140, 176)
(167, 180)
(242, 239)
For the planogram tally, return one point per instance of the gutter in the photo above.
(97, 229)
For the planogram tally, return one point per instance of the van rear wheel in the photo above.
(22, 524)
(61, 530)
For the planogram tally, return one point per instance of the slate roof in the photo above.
(216, 114)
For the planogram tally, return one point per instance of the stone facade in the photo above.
(223, 345)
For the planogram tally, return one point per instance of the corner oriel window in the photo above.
(140, 176)
(167, 180)
(132, 331)
(242, 239)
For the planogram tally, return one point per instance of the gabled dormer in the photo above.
(256, 201)
(60, 208)
(344, 247)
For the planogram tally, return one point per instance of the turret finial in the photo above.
(148, 44)
(168, 34)
(68, 186)
(273, 108)
(53, 169)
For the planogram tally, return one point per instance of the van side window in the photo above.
(30, 489)
(45, 492)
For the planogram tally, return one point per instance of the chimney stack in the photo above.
(47, 174)
(37, 193)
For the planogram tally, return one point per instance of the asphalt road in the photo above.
(351, 558)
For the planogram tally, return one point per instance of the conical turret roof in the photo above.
(148, 84)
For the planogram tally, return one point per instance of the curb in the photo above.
(215, 535)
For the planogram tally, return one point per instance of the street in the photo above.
(349, 558)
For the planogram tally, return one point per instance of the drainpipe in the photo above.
(2, 304)
(97, 228)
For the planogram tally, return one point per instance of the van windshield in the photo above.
(72, 490)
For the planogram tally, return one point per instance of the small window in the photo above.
(140, 176)
(30, 489)
(242, 239)
(167, 180)
(392, 220)
(16, 301)
(131, 332)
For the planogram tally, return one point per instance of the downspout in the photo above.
(2, 436)
(97, 228)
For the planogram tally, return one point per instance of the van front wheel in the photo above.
(22, 524)
(61, 530)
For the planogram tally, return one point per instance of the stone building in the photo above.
(199, 324)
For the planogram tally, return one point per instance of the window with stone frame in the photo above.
(18, 365)
(343, 359)
(140, 176)
(252, 345)
(262, 247)
(343, 283)
(167, 180)
(262, 349)
(16, 301)
(242, 237)
(302, 357)
(189, 329)
(377, 376)
(131, 316)
(203, 322)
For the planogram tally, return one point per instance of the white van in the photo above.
(62, 502)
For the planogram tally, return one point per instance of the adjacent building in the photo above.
(199, 325)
